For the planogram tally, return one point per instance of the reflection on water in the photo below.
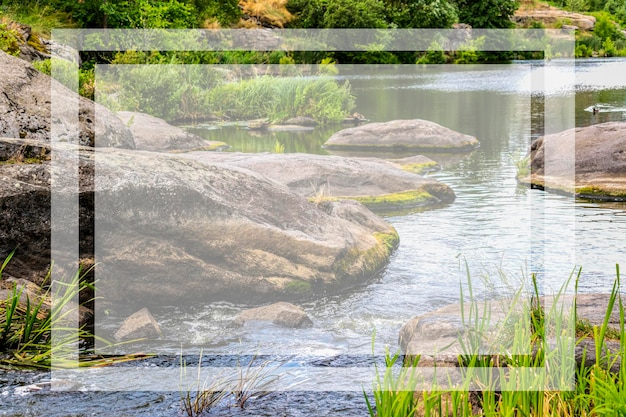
(495, 228)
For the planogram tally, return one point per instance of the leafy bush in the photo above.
(425, 14)
(44, 66)
(487, 13)
(605, 27)
(160, 14)
(339, 13)
(9, 41)
(582, 51)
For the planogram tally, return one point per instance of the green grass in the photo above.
(196, 92)
(279, 98)
(598, 390)
(27, 325)
(39, 15)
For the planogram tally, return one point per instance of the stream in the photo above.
(496, 232)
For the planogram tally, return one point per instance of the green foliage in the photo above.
(278, 147)
(175, 92)
(162, 14)
(469, 54)
(609, 47)
(487, 13)
(44, 66)
(40, 15)
(9, 41)
(424, 14)
(577, 5)
(393, 391)
(339, 13)
(582, 51)
(605, 28)
(279, 98)
(226, 12)
(498, 381)
(169, 91)
(617, 8)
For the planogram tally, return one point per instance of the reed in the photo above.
(491, 382)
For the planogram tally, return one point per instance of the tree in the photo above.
(487, 13)
(131, 13)
(424, 14)
(339, 13)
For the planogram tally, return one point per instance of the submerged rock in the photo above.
(153, 134)
(281, 313)
(301, 121)
(379, 185)
(418, 164)
(400, 135)
(172, 230)
(26, 109)
(600, 162)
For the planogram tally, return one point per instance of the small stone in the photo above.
(139, 325)
(282, 314)
(301, 121)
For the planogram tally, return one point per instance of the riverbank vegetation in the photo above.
(28, 319)
(606, 40)
(513, 384)
(198, 92)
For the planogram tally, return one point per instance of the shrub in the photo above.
(9, 41)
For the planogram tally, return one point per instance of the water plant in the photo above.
(28, 321)
(195, 92)
(278, 147)
(512, 383)
(200, 397)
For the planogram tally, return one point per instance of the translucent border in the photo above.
(557, 375)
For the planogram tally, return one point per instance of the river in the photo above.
(496, 231)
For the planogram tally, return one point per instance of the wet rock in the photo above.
(257, 124)
(25, 106)
(139, 325)
(418, 164)
(30, 46)
(402, 135)
(153, 134)
(600, 162)
(301, 121)
(379, 185)
(287, 128)
(281, 313)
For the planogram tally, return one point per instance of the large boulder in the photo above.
(169, 229)
(437, 335)
(153, 134)
(25, 202)
(551, 16)
(380, 185)
(25, 106)
(402, 135)
(600, 162)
